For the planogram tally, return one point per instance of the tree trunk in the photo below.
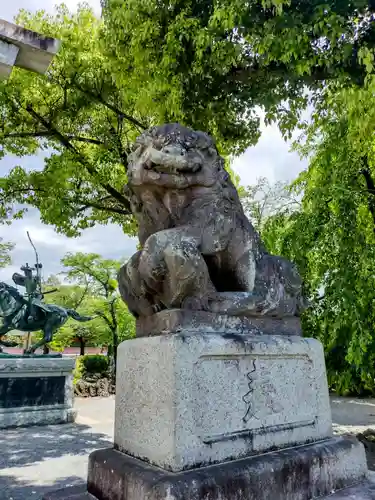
(82, 346)
(27, 341)
(112, 354)
(370, 185)
(45, 349)
(115, 345)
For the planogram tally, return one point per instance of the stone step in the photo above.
(299, 473)
(71, 493)
(364, 491)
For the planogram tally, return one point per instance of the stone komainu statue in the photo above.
(199, 251)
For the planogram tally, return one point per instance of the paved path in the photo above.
(36, 460)
(352, 415)
(40, 459)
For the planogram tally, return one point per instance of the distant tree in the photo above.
(5, 249)
(265, 199)
(99, 276)
(75, 297)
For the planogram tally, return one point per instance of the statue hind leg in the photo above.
(4, 329)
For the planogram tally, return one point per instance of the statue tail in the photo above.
(8, 343)
(73, 314)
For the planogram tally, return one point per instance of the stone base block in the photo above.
(177, 320)
(194, 399)
(36, 391)
(24, 417)
(70, 493)
(300, 473)
(363, 491)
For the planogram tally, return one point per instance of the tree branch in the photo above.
(65, 142)
(84, 293)
(88, 140)
(104, 208)
(115, 110)
(53, 131)
(104, 317)
(370, 184)
(48, 133)
(40, 133)
(87, 270)
(120, 149)
(113, 312)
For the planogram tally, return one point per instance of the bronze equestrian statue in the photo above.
(30, 313)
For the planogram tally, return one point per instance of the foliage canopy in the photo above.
(332, 235)
(207, 64)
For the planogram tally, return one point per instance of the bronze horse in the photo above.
(14, 309)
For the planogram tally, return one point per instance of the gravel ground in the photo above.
(40, 459)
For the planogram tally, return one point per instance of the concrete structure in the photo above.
(36, 391)
(25, 49)
(189, 400)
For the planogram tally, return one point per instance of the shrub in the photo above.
(78, 370)
(97, 363)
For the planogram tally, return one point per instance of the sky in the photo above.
(270, 158)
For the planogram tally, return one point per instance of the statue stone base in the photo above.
(36, 391)
(177, 320)
(195, 399)
(302, 473)
(222, 416)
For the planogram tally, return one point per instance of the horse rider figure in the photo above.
(33, 288)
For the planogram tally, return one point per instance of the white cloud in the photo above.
(108, 241)
(270, 158)
(8, 10)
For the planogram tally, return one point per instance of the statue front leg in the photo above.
(174, 270)
(51, 325)
(132, 289)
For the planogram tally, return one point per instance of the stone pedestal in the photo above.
(36, 391)
(222, 415)
(191, 400)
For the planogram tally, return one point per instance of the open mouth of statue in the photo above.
(162, 162)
